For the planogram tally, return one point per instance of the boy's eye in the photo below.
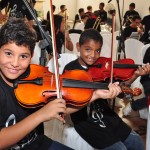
(98, 51)
(8, 53)
(87, 49)
(23, 56)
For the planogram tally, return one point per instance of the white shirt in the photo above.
(79, 26)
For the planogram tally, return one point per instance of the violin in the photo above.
(123, 69)
(42, 81)
(76, 87)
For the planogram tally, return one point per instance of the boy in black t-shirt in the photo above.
(146, 25)
(100, 126)
(145, 81)
(129, 14)
(101, 13)
(21, 128)
(133, 27)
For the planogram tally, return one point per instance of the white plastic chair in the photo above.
(75, 38)
(106, 48)
(133, 50)
(144, 48)
(36, 55)
(64, 59)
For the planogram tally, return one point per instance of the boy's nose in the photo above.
(15, 62)
(93, 53)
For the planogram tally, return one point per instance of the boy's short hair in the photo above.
(81, 10)
(89, 7)
(136, 17)
(54, 7)
(90, 34)
(18, 31)
(102, 4)
(62, 6)
(132, 5)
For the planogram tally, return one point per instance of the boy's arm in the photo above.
(13, 134)
(112, 92)
(139, 72)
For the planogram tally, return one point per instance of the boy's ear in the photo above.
(78, 46)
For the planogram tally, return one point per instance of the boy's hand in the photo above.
(113, 91)
(53, 109)
(143, 70)
(3, 17)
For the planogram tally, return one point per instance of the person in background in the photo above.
(90, 13)
(145, 24)
(78, 16)
(63, 12)
(61, 34)
(81, 25)
(145, 81)
(128, 16)
(92, 23)
(98, 124)
(133, 27)
(101, 13)
(48, 14)
(16, 8)
(22, 128)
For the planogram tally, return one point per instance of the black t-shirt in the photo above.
(145, 80)
(11, 113)
(129, 15)
(16, 8)
(60, 39)
(127, 31)
(146, 36)
(102, 15)
(100, 127)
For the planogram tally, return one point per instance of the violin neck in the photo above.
(126, 66)
(83, 84)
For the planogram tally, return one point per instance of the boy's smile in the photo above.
(89, 52)
(14, 61)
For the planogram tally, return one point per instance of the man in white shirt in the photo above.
(63, 12)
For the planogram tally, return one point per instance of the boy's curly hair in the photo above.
(18, 31)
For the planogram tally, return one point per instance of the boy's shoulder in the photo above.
(72, 65)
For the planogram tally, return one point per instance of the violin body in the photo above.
(123, 69)
(31, 94)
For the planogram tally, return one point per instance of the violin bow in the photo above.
(55, 53)
(112, 48)
(57, 128)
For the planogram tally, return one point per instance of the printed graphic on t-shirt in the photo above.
(97, 117)
(26, 141)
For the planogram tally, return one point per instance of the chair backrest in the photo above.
(133, 50)
(144, 48)
(64, 59)
(75, 38)
(36, 55)
(106, 48)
